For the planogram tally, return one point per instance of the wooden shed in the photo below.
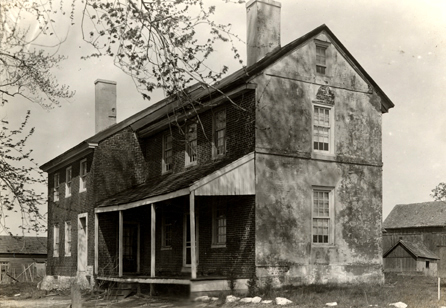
(411, 258)
(22, 258)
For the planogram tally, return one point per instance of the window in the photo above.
(56, 240)
(68, 182)
(191, 144)
(427, 264)
(167, 152)
(322, 129)
(220, 132)
(83, 175)
(322, 217)
(321, 59)
(219, 226)
(68, 238)
(166, 235)
(56, 187)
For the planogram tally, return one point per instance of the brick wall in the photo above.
(239, 129)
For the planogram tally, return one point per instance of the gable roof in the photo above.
(239, 79)
(426, 214)
(23, 245)
(418, 250)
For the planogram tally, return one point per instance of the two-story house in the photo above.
(279, 177)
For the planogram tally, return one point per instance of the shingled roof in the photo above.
(418, 250)
(426, 214)
(22, 245)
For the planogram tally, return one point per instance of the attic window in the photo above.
(321, 57)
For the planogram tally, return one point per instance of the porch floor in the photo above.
(183, 280)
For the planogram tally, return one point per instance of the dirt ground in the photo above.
(416, 292)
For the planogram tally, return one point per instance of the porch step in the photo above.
(121, 290)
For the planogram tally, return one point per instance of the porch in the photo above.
(196, 236)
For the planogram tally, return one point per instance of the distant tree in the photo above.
(26, 72)
(439, 192)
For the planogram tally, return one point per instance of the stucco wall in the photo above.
(287, 170)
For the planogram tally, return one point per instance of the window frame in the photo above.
(321, 65)
(83, 176)
(68, 238)
(215, 226)
(189, 146)
(165, 166)
(68, 181)
(56, 241)
(56, 186)
(215, 131)
(331, 127)
(166, 222)
(330, 217)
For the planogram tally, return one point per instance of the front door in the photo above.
(82, 232)
(187, 259)
(130, 248)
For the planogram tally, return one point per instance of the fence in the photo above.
(21, 272)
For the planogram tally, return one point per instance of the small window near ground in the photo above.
(67, 238)
(219, 225)
(83, 175)
(56, 186)
(68, 181)
(166, 234)
(56, 240)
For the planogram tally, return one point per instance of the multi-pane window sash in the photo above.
(68, 238)
(220, 226)
(167, 152)
(167, 233)
(321, 59)
(191, 143)
(56, 186)
(321, 216)
(83, 175)
(220, 132)
(321, 129)
(68, 181)
(56, 241)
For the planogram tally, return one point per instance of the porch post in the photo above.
(96, 243)
(152, 241)
(121, 238)
(192, 235)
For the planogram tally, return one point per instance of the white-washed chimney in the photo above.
(263, 18)
(105, 104)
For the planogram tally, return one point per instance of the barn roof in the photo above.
(22, 245)
(418, 250)
(426, 214)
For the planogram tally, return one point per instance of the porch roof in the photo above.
(220, 177)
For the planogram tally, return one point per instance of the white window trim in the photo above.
(214, 134)
(214, 243)
(331, 144)
(324, 45)
(56, 188)
(56, 239)
(164, 165)
(187, 161)
(82, 186)
(68, 192)
(331, 224)
(68, 250)
(163, 234)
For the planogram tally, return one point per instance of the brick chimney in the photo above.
(105, 104)
(263, 18)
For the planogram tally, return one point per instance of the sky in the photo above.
(401, 44)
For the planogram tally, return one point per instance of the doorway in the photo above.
(82, 242)
(187, 245)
